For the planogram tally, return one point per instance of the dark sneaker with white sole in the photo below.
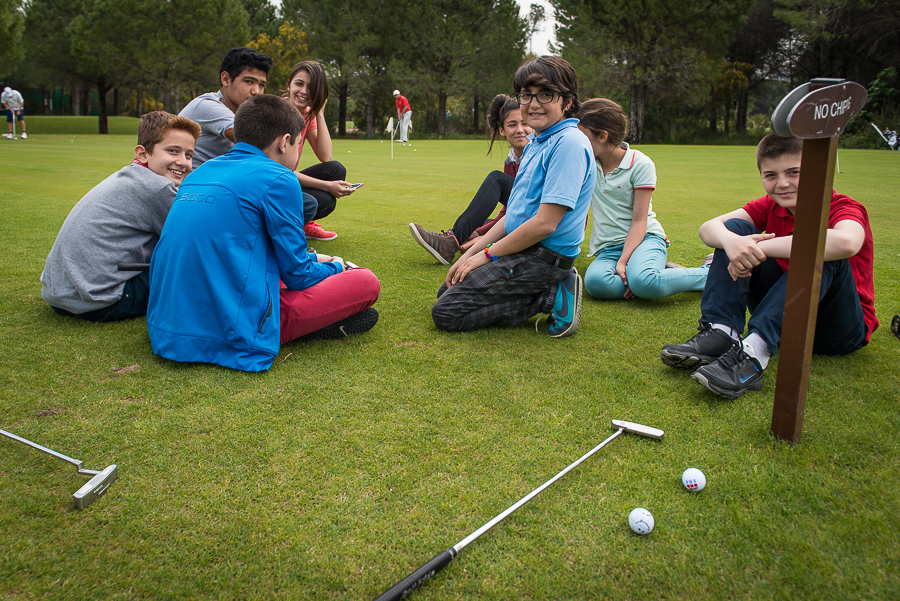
(355, 324)
(733, 374)
(565, 318)
(705, 347)
(442, 247)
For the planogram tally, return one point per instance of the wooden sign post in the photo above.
(817, 112)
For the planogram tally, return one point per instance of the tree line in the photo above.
(686, 70)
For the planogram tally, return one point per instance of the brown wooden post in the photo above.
(804, 281)
(818, 113)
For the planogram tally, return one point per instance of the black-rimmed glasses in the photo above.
(543, 97)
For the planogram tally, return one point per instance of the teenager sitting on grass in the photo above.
(627, 240)
(524, 265)
(242, 75)
(323, 182)
(119, 221)
(750, 271)
(215, 292)
(504, 119)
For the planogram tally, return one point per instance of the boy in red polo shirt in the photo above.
(750, 271)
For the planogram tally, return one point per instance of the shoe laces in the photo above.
(704, 329)
(736, 355)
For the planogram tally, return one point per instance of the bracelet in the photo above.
(489, 255)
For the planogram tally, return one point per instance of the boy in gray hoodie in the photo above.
(119, 221)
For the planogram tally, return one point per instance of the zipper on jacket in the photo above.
(266, 316)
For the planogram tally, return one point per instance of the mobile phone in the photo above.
(354, 186)
(351, 265)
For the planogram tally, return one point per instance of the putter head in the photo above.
(633, 428)
(95, 487)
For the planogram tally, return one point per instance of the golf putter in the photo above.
(93, 489)
(405, 587)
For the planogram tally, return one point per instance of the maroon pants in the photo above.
(331, 300)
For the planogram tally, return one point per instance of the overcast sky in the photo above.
(539, 45)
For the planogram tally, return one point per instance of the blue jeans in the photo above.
(840, 325)
(132, 304)
(646, 272)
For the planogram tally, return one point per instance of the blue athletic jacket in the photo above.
(234, 228)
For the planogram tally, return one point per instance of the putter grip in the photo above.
(133, 266)
(405, 587)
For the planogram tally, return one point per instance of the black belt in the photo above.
(545, 254)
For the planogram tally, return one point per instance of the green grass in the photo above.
(40, 124)
(351, 463)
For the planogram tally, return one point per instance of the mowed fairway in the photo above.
(349, 464)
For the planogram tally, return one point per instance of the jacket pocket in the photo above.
(268, 312)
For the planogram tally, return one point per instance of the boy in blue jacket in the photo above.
(231, 277)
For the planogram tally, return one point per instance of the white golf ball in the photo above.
(693, 479)
(641, 521)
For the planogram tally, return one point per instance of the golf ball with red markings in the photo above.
(641, 520)
(693, 479)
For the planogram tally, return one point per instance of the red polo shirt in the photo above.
(771, 218)
(402, 103)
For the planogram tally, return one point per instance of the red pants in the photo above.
(331, 300)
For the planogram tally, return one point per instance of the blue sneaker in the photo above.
(566, 314)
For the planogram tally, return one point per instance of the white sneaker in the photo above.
(24, 135)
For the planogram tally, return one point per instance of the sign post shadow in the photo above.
(817, 112)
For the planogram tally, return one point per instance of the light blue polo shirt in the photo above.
(613, 202)
(557, 167)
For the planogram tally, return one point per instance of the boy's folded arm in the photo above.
(844, 240)
(533, 231)
(282, 207)
(841, 242)
(743, 251)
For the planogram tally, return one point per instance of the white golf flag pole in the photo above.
(879, 133)
(391, 129)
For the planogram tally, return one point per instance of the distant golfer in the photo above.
(404, 114)
(15, 109)
(891, 136)
(242, 75)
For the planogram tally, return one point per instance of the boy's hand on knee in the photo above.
(736, 272)
(470, 242)
(462, 267)
(744, 251)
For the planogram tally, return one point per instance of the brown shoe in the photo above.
(442, 247)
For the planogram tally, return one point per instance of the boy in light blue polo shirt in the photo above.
(526, 265)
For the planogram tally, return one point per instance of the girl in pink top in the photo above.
(308, 91)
